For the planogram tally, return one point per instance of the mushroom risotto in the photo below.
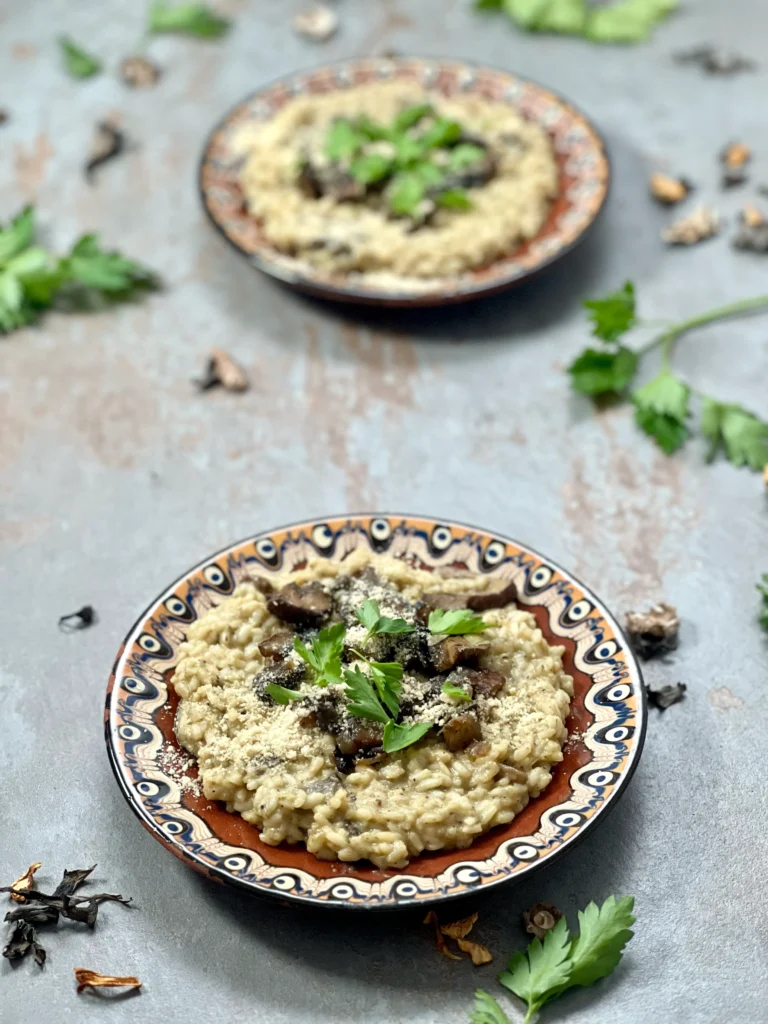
(387, 179)
(370, 709)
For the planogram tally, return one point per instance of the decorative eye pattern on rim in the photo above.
(467, 876)
(343, 891)
(179, 609)
(381, 534)
(152, 645)
(152, 790)
(133, 734)
(614, 694)
(524, 851)
(602, 652)
(139, 687)
(285, 883)
(600, 779)
(215, 576)
(440, 539)
(267, 551)
(493, 554)
(235, 863)
(323, 539)
(577, 611)
(568, 819)
(173, 827)
(538, 579)
(615, 734)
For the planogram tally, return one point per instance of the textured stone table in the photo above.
(117, 476)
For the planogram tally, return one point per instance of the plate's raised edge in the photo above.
(404, 903)
(374, 296)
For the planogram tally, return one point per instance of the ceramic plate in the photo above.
(606, 724)
(579, 151)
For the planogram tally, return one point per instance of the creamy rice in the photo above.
(349, 237)
(270, 765)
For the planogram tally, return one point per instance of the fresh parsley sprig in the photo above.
(663, 405)
(624, 21)
(78, 62)
(281, 694)
(191, 19)
(487, 1010)
(324, 654)
(454, 690)
(387, 678)
(368, 615)
(559, 962)
(455, 622)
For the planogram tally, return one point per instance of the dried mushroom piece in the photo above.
(734, 159)
(92, 979)
(442, 946)
(654, 632)
(459, 929)
(224, 370)
(4, 116)
(22, 942)
(713, 61)
(317, 23)
(81, 619)
(23, 882)
(702, 223)
(668, 190)
(480, 954)
(752, 233)
(666, 696)
(108, 143)
(540, 919)
(139, 73)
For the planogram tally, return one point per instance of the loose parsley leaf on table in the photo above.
(743, 435)
(370, 617)
(661, 409)
(78, 63)
(487, 1010)
(623, 21)
(763, 588)
(397, 737)
(324, 654)
(614, 314)
(90, 265)
(189, 19)
(455, 622)
(281, 694)
(453, 690)
(597, 372)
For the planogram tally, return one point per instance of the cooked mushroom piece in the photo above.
(289, 676)
(455, 650)
(459, 732)
(277, 646)
(307, 605)
(262, 584)
(485, 682)
(445, 602)
(493, 598)
(331, 181)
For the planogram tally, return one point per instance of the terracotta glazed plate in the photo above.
(579, 151)
(606, 725)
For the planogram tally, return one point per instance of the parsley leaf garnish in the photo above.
(397, 736)
(189, 19)
(763, 588)
(370, 167)
(407, 192)
(464, 155)
(614, 314)
(487, 1010)
(455, 622)
(661, 409)
(411, 115)
(623, 21)
(742, 434)
(343, 140)
(90, 265)
(361, 697)
(454, 199)
(78, 63)
(324, 654)
(386, 676)
(18, 235)
(600, 372)
(454, 690)
(281, 694)
(548, 968)
(370, 617)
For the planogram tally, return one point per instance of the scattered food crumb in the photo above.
(4, 116)
(666, 696)
(713, 61)
(734, 159)
(720, 697)
(431, 918)
(81, 619)
(669, 190)
(139, 73)
(752, 233)
(24, 882)
(222, 369)
(702, 223)
(92, 979)
(480, 954)
(318, 23)
(654, 632)
(108, 143)
(459, 929)
(540, 918)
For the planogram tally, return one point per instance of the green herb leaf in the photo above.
(11, 292)
(18, 235)
(396, 737)
(456, 622)
(109, 272)
(743, 435)
(487, 1010)
(372, 130)
(567, 17)
(28, 262)
(408, 151)
(527, 13)
(324, 655)
(281, 694)
(370, 167)
(370, 617)
(78, 63)
(453, 690)
(627, 21)
(189, 19)
(661, 409)
(411, 115)
(443, 132)
(542, 971)
(454, 199)
(386, 676)
(763, 588)
(343, 140)
(464, 155)
(406, 194)
(428, 173)
(603, 933)
(361, 697)
(599, 372)
(614, 314)
(488, 5)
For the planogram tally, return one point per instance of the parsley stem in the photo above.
(668, 338)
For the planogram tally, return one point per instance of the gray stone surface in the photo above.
(117, 476)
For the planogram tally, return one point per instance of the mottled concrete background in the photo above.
(117, 476)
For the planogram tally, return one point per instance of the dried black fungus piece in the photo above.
(108, 143)
(139, 73)
(223, 370)
(654, 632)
(81, 619)
(540, 919)
(4, 116)
(752, 233)
(714, 61)
(22, 942)
(666, 696)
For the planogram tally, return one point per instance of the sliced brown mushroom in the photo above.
(331, 181)
(305, 605)
(455, 650)
(492, 598)
(287, 675)
(277, 646)
(485, 682)
(459, 732)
